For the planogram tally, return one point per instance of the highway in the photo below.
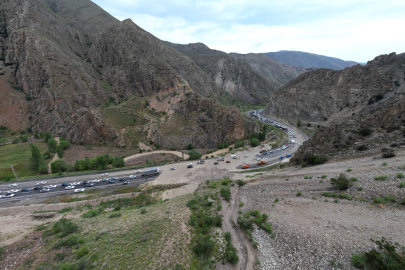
(250, 159)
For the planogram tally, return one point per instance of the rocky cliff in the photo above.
(373, 100)
(71, 58)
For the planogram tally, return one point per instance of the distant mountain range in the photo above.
(310, 60)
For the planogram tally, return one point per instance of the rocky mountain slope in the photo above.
(229, 73)
(275, 72)
(361, 105)
(303, 59)
(72, 59)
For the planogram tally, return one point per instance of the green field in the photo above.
(20, 157)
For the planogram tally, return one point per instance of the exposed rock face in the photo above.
(386, 117)
(319, 94)
(303, 59)
(275, 72)
(229, 73)
(71, 57)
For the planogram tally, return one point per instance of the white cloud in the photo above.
(348, 29)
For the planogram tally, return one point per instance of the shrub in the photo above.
(349, 170)
(299, 193)
(221, 146)
(365, 131)
(64, 144)
(378, 200)
(324, 176)
(115, 215)
(47, 154)
(52, 145)
(190, 146)
(315, 159)
(402, 185)
(93, 213)
(353, 179)
(341, 183)
(254, 142)
(194, 154)
(387, 153)
(65, 210)
(63, 227)
(83, 251)
(400, 175)
(362, 147)
(59, 151)
(389, 256)
(70, 242)
(240, 183)
(143, 211)
(230, 148)
(226, 193)
(360, 188)
(239, 144)
(47, 136)
(241, 204)
(231, 254)
(204, 247)
(381, 178)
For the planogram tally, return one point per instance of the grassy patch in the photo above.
(381, 178)
(337, 195)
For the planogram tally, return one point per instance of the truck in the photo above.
(151, 171)
(261, 162)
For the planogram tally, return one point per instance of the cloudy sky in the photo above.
(355, 30)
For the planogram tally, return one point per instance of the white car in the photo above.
(40, 183)
(9, 196)
(13, 191)
(44, 190)
(246, 155)
(13, 185)
(52, 186)
(79, 190)
(132, 176)
(104, 174)
(69, 187)
(138, 171)
(259, 159)
(96, 180)
(172, 168)
(257, 154)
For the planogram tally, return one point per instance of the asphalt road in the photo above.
(270, 158)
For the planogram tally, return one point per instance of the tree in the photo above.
(226, 145)
(190, 146)
(239, 144)
(262, 136)
(36, 155)
(120, 163)
(36, 135)
(299, 123)
(59, 151)
(55, 167)
(47, 136)
(52, 145)
(254, 135)
(47, 154)
(365, 131)
(254, 142)
(43, 168)
(194, 154)
(64, 144)
(24, 138)
(221, 146)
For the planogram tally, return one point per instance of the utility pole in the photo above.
(15, 174)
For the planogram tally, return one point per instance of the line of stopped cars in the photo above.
(76, 186)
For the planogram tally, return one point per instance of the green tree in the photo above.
(36, 135)
(55, 167)
(47, 136)
(43, 168)
(64, 144)
(299, 123)
(254, 135)
(120, 163)
(36, 155)
(190, 146)
(52, 145)
(262, 136)
(59, 151)
(47, 154)
(254, 142)
(221, 146)
(194, 154)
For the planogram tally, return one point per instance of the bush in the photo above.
(204, 247)
(226, 193)
(143, 211)
(194, 155)
(64, 144)
(254, 142)
(299, 193)
(221, 146)
(400, 175)
(381, 178)
(93, 213)
(47, 137)
(240, 183)
(387, 153)
(52, 145)
(365, 131)
(36, 135)
(362, 147)
(389, 256)
(190, 146)
(115, 215)
(83, 251)
(315, 159)
(231, 254)
(70, 242)
(342, 182)
(239, 144)
(47, 154)
(63, 227)
(59, 151)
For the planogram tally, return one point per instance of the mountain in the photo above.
(229, 73)
(344, 104)
(84, 74)
(275, 72)
(308, 60)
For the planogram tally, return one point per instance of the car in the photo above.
(79, 190)
(220, 159)
(69, 187)
(110, 181)
(138, 171)
(126, 183)
(40, 183)
(12, 191)
(2, 196)
(13, 185)
(281, 157)
(132, 176)
(233, 156)
(245, 166)
(104, 174)
(216, 163)
(65, 184)
(51, 186)
(123, 179)
(200, 162)
(172, 168)
(288, 155)
(114, 178)
(9, 196)
(259, 159)
(45, 190)
(228, 161)
(104, 179)
(190, 165)
(271, 151)
(25, 190)
(1, 191)
(85, 183)
(246, 155)
(257, 154)
(38, 188)
(96, 181)
(89, 185)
